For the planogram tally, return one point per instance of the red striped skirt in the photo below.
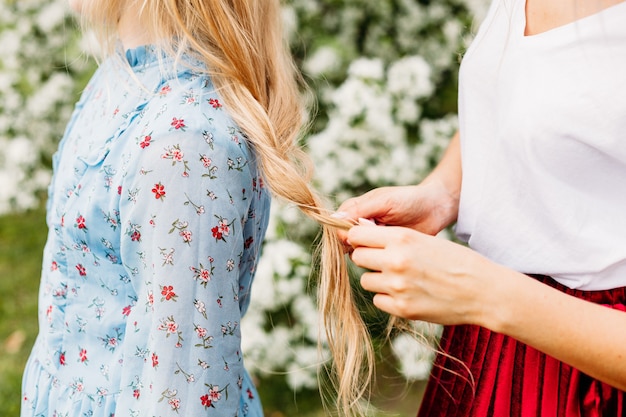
(515, 380)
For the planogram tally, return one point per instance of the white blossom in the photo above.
(302, 371)
(324, 60)
(366, 69)
(411, 77)
(414, 357)
(51, 15)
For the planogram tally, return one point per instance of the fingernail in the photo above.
(339, 215)
(366, 222)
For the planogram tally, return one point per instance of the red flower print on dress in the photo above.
(174, 403)
(222, 229)
(199, 208)
(126, 311)
(215, 103)
(202, 334)
(80, 222)
(186, 235)
(176, 155)
(62, 358)
(81, 270)
(206, 161)
(155, 360)
(111, 342)
(178, 124)
(159, 191)
(203, 274)
(164, 90)
(188, 377)
(190, 97)
(208, 164)
(214, 395)
(170, 394)
(113, 219)
(182, 227)
(82, 355)
(133, 232)
(77, 385)
(206, 401)
(145, 142)
(167, 291)
(170, 327)
(168, 257)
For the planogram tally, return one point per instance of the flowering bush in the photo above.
(41, 70)
(383, 75)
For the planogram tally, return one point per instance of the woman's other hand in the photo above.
(428, 207)
(422, 277)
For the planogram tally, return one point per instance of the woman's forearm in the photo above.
(448, 175)
(587, 336)
(448, 171)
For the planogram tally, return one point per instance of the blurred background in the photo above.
(383, 76)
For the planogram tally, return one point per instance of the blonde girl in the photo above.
(157, 210)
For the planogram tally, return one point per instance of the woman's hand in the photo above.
(427, 207)
(418, 276)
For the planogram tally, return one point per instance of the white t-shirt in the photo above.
(543, 139)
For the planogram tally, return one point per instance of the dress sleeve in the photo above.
(183, 210)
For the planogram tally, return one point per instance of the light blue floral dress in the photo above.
(156, 214)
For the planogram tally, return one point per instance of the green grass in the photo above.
(22, 237)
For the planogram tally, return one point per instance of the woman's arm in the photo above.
(588, 336)
(448, 171)
(418, 276)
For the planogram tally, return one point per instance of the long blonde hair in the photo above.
(242, 44)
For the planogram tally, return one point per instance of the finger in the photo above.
(367, 205)
(376, 236)
(368, 258)
(373, 282)
(386, 303)
(343, 238)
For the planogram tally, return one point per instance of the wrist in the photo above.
(445, 201)
(501, 289)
